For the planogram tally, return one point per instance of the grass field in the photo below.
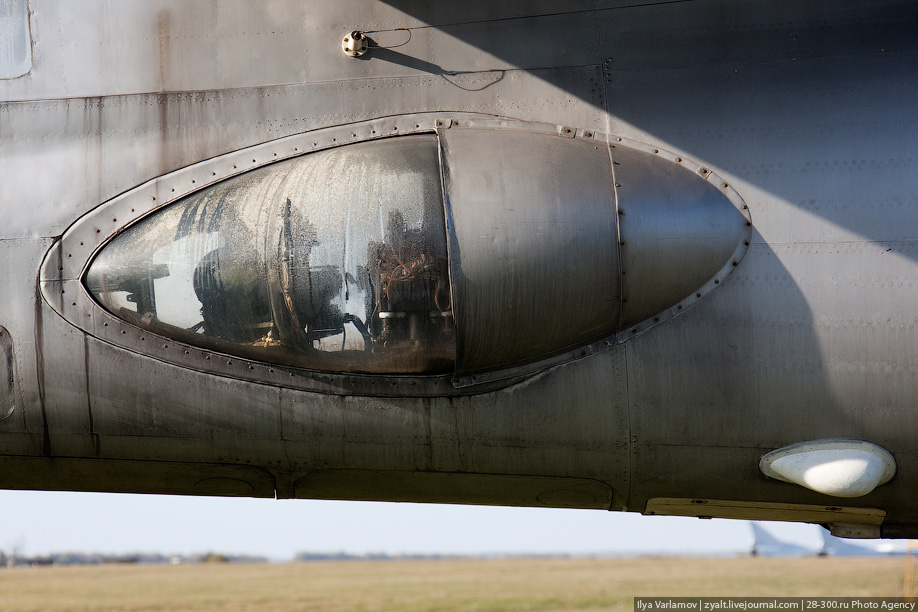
(493, 585)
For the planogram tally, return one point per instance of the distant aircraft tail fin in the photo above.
(766, 545)
(761, 540)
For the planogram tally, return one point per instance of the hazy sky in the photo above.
(42, 522)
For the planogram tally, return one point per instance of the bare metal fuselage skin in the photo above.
(802, 112)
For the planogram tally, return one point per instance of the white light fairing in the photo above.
(841, 468)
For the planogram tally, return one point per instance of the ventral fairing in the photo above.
(644, 257)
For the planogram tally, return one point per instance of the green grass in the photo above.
(496, 585)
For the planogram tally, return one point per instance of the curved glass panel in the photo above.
(333, 261)
(15, 39)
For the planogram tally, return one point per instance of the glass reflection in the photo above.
(333, 261)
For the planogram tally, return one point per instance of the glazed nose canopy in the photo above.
(352, 260)
(332, 261)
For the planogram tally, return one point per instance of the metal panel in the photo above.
(533, 254)
(21, 432)
(160, 477)
(757, 511)
(178, 414)
(554, 424)
(236, 44)
(811, 336)
(90, 150)
(678, 231)
(445, 487)
(805, 109)
(691, 34)
(439, 14)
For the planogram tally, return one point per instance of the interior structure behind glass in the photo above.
(334, 261)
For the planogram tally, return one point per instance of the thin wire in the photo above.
(375, 46)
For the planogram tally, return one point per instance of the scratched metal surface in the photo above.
(806, 111)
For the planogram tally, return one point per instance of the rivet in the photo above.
(716, 282)
(698, 295)
(656, 319)
(735, 263)
(678, 160)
